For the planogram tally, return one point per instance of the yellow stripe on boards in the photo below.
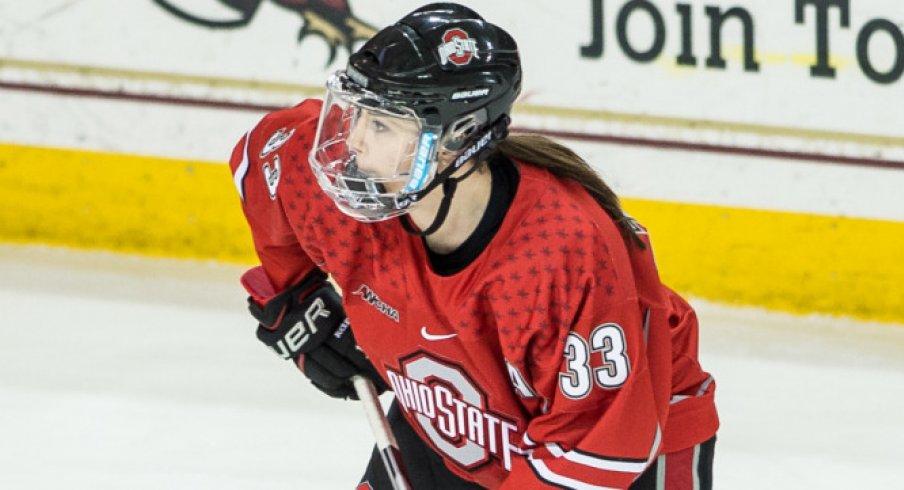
(153, 206)
(178, 208)
(786, 261)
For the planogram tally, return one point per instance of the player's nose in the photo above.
(355, 139)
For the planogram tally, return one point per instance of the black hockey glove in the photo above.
(307, 324)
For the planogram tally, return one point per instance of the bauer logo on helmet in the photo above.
(457, 48)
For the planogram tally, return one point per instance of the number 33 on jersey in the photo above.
(606, 341)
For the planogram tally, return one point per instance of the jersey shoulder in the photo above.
(558, 218)
(278, 144)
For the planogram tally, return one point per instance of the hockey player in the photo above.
(491, 281)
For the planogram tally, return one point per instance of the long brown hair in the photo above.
(543, 152)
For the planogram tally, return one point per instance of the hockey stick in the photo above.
(379, 425)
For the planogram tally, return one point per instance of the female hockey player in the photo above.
(491, 281)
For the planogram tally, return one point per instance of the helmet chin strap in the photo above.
(476, 150)
(449, 186)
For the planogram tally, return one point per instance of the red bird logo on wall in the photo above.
(331, 20)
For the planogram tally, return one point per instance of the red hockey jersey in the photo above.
(556, 359)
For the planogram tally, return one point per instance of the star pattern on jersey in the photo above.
(557, 242)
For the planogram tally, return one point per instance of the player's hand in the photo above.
(307, 324)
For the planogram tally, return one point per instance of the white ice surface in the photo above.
(120, 372)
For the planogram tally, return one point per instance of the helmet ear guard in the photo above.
(463, 130)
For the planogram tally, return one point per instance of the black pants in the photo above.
(679, 471)
(427, 471)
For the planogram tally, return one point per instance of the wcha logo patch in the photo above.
(278, 139)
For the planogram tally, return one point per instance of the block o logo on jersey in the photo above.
(457, 48)
(451, 410)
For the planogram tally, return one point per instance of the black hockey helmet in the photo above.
(444, 61)
(442, 73)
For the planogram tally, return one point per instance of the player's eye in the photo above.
(378, 126)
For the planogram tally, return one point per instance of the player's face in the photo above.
(384, 145)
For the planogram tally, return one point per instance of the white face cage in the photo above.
(371, 154)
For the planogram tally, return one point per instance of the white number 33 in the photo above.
(608, 340)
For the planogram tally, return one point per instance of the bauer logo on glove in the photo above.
(307, 325)
(302, 332)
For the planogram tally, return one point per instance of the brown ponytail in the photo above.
(543, 152)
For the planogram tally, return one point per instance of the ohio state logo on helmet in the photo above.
(457, 48)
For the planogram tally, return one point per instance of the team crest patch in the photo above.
(457, 48)
(278, 139)
(271, 176)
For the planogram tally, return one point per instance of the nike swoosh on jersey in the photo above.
(430, 336)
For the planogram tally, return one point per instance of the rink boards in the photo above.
(791, 261)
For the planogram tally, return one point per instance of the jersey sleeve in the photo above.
(586, 354)
(256, 173)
